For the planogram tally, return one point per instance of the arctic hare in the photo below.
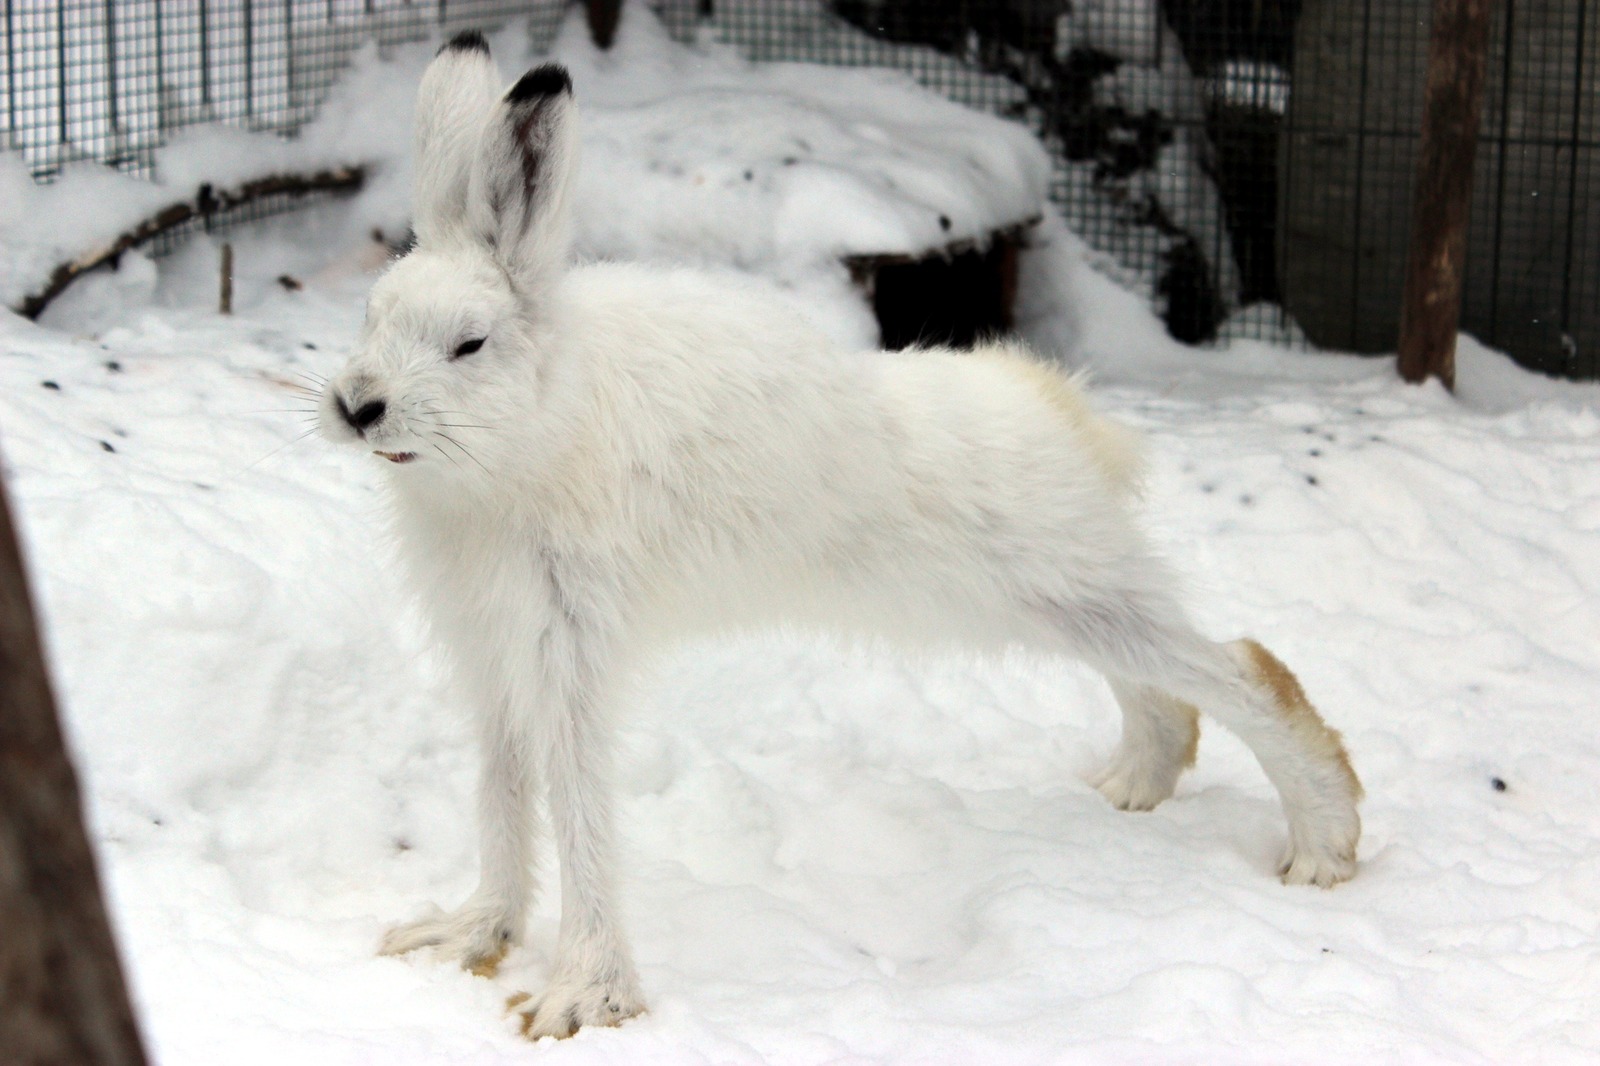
(591, 461)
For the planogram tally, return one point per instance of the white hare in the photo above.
(592, 461)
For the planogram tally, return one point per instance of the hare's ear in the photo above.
(518, 203)
(457, 93)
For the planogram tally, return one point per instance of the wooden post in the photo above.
(603, 18)
(225, 292)
(65, 1001)
(1430, 311)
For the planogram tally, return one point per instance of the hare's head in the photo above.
(453, 328)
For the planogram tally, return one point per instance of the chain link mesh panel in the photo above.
(107, 80)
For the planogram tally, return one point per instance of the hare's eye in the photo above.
(468, 347)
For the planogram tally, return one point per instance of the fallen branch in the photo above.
(207, 202)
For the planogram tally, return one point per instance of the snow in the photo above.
(785, 167)
(829, 856)
(764, 30)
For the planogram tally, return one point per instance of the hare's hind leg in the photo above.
(1143, 641)
(1280, 724)
(1159, 737)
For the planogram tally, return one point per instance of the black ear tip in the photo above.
(549, 80)
(465, 41)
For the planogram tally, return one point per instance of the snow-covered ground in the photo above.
(829, 856)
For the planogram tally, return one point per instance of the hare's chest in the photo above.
(465, 567)
(494, 592)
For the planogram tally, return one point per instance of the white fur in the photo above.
(637, 454)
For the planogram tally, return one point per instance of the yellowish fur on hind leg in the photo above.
(1297, 710)
(1324, 825)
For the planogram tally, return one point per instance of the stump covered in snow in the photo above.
(815, 176)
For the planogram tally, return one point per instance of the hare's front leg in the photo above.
(593, 981)
(482, 929)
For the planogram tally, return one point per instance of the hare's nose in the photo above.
(362, 416)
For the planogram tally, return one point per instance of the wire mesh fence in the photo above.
(1247, 163)
(1250, 163)
(1531, 285)
(108, 79)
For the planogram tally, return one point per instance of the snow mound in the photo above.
(783, 163)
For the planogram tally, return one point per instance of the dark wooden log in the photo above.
(1430, 310)
(958, 294)
(62, 996)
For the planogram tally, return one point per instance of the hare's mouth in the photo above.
(397, 457)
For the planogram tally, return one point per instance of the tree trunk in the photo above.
(1430, 311)
(62, 997)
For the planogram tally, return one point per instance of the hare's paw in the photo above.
(1323, 870)
(1324, 829)
(570, 1004)
(1324, 853)
(477, 936)
(1135, 781)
